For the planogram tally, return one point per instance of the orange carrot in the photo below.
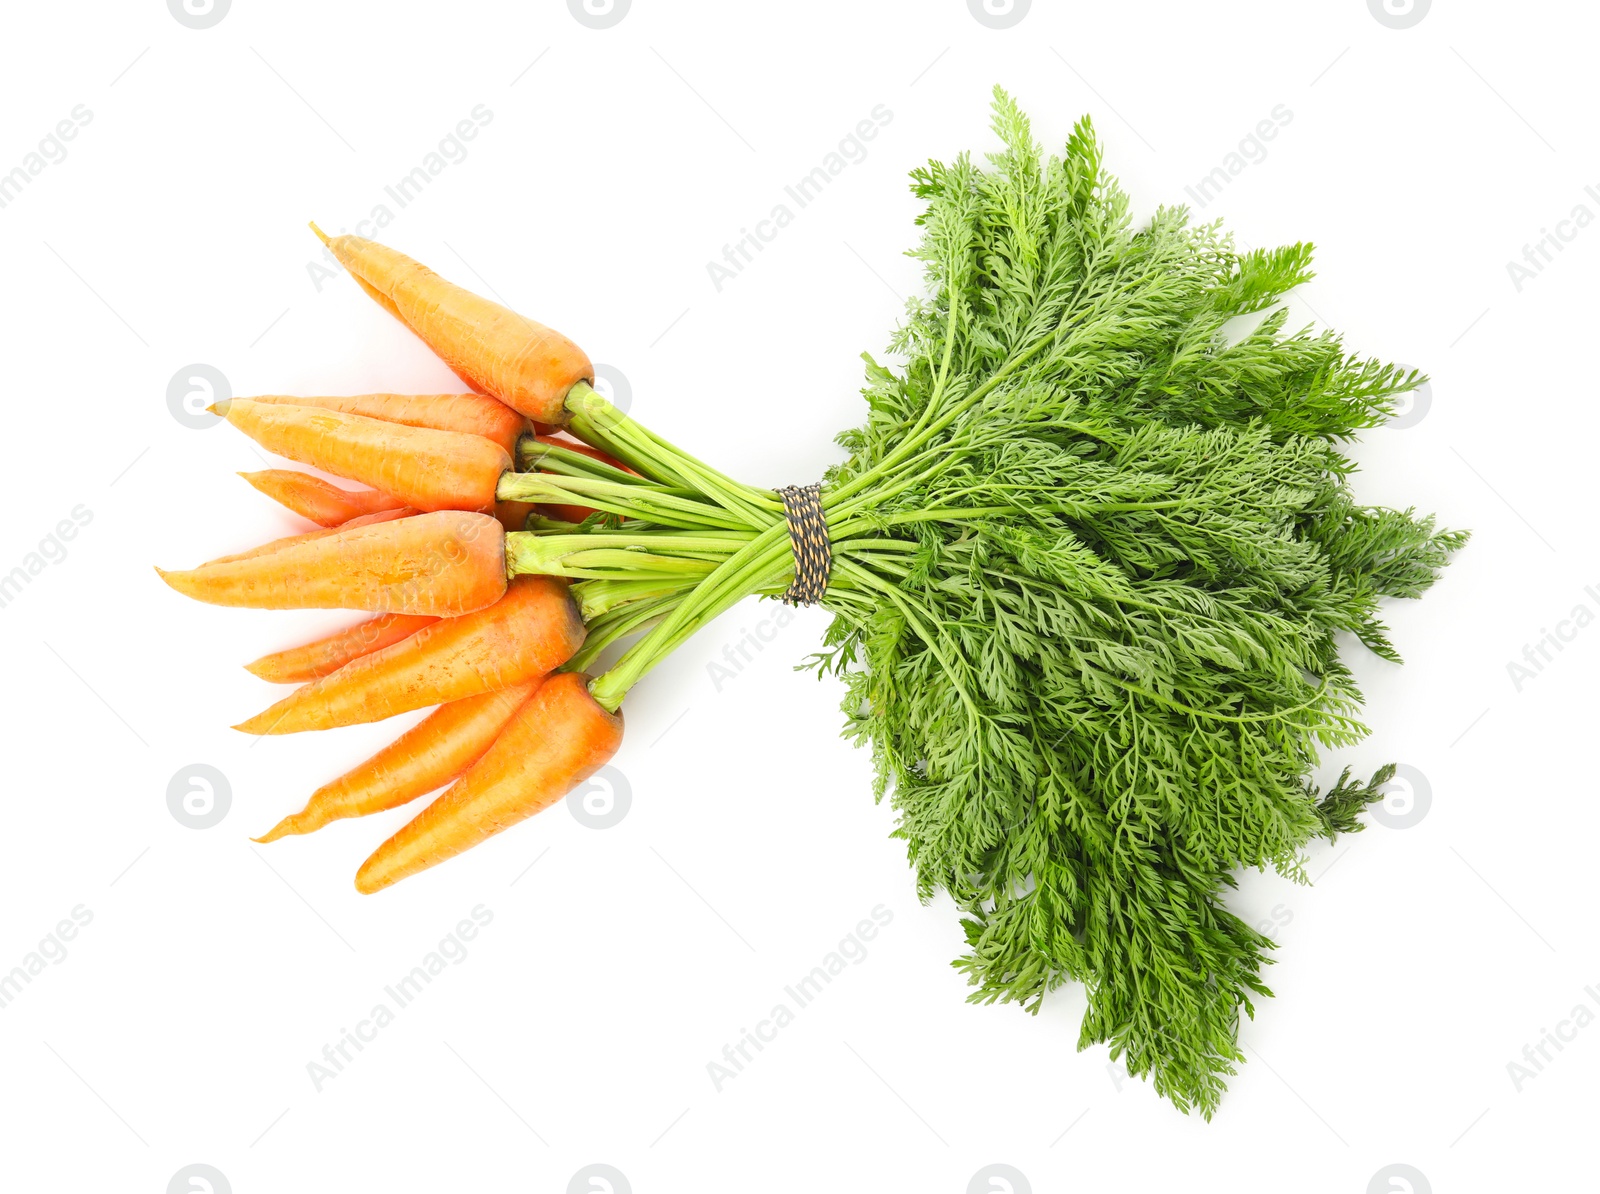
(326, 655)
(534, 628)
(514, 515)
(474, 414)
(429, 755)
(266, 549)
(424, 467)
(563, 513)
(555, 741)
(448, 563)
(312, 497)
(526, 365)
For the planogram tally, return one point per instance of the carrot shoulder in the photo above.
(526, 365)
(556, 740)
(421, 466)
(474, 414)
(427, 756)
(446, 564)
(317, 659)
(533, 629)
(312, 497)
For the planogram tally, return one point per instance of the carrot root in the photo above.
(327, 655)
(429, 755)
(556, 740)
(526, 365)
(421, 466)
(533, 629)
(313, 498)
(446, 564)
(471, 414)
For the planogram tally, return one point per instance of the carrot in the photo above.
(526, 365)
(429, 755)
(555, 741)
(447, 563)
(312, 497)
(534, 628)
(563, 513)
(266, 549)
(326, 655)
(474, 414)
(514, 515)
(424, 467)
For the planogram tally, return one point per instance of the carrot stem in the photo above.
(630, 501)
(609, 628)
(595, 420)
(599, 597)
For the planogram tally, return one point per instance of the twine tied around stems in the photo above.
(808, 535)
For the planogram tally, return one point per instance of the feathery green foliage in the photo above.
(1093, 548)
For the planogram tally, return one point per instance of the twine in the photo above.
(808, 535)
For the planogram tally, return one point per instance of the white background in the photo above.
(178, 1028)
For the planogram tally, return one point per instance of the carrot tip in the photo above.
(321, 235)
(290, 824)
(366, 885)
(220, 407)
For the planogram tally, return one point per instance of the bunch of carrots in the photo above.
(427, 547)
(1089, 562)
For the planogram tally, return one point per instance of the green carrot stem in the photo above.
(575, 556)
(608, 629)
(597, 597)
(761, 563)
(533, 454)
(593, 418)
(627, 500)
